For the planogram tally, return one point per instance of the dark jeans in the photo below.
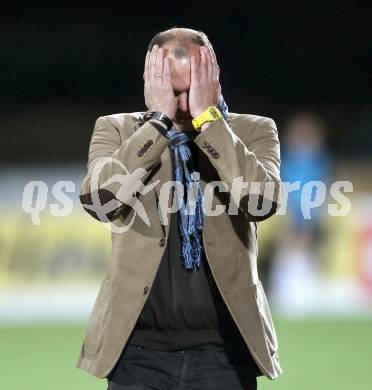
(141, 368)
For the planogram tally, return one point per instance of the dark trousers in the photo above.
(141, 368)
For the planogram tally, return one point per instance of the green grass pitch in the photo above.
(315, 355)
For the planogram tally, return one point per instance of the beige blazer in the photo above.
(246, 146)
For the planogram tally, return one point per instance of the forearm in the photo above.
(110, 158)
(255, 162)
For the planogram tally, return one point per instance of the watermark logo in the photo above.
(111, 175)
(130, 184)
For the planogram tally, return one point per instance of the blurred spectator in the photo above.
(295, 265)
(305, 158)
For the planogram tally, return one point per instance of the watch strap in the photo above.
(160, 117)
(211, 114)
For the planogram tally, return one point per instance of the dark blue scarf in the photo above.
(191, 214)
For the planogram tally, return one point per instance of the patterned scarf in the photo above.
(191, 214)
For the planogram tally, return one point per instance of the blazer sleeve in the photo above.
(254, 157)
(116, 168)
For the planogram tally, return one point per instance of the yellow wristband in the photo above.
(211, 114)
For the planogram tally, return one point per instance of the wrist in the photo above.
(164, 111)
(198, 112)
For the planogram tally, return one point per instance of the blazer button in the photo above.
(145, 290)
(211, 149)
(162, 242)
(205, 144)
(140, 153)
(149, 142)
(216, 155)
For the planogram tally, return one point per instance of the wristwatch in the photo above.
(211, 114)
(160, 117)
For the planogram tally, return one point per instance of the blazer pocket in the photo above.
(266, 319)
(98, 319)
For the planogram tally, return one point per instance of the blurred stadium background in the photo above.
(306, 66)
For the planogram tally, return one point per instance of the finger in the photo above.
(203, 71)
(159, 66)
(152, 62)
(215, 64)
(145, 72)
(209, 63)
(146, 97)
(166, 74)
(213, 54)
(194, 70)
